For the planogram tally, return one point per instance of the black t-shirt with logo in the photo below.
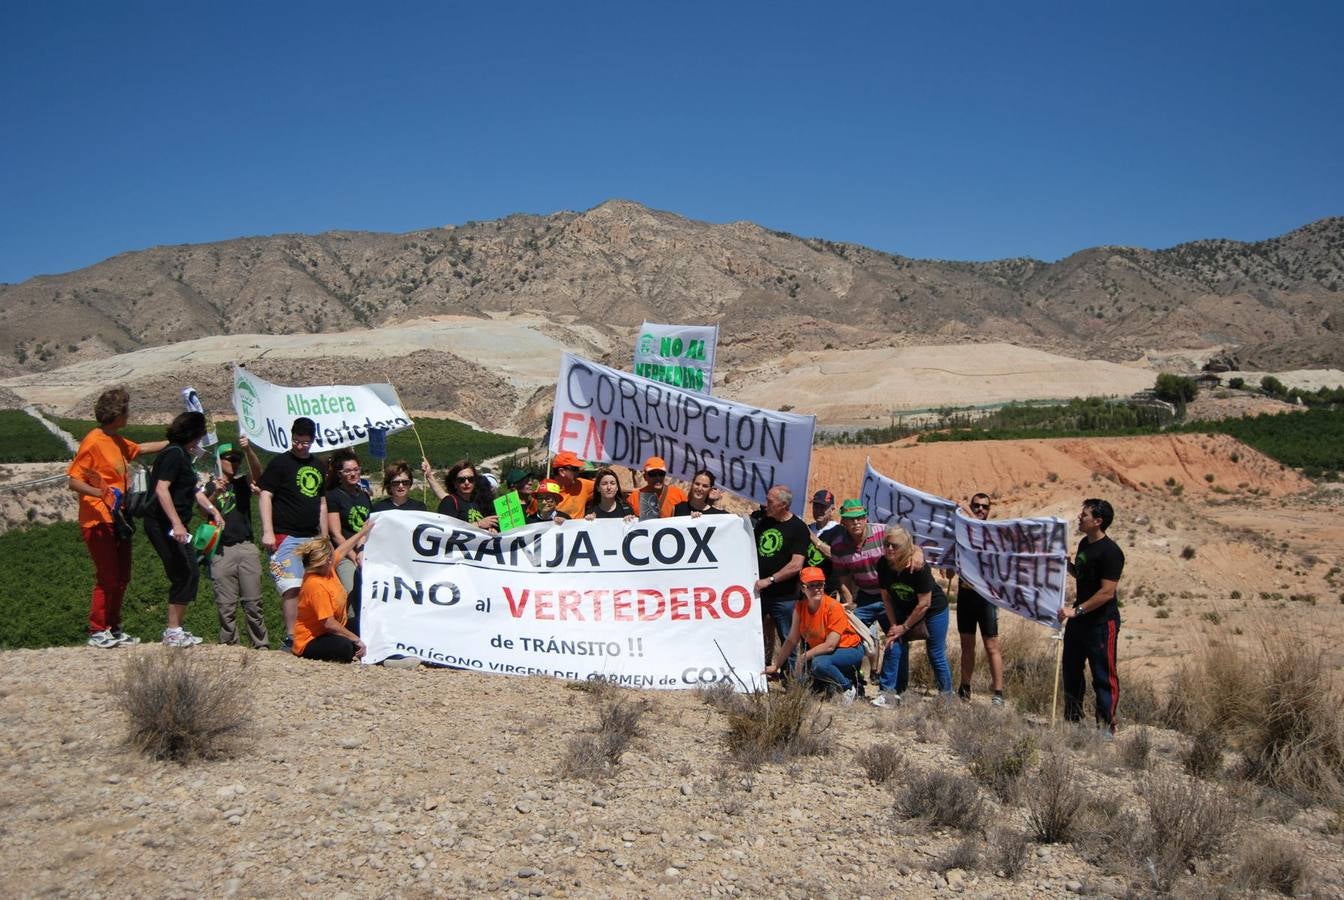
(904, 588)
(469, 511)
(296, 495)
(1092, 564)
(234, 503)
(776, 544)
(386, 505)
(173, 465)
(354, 508)
(814, 557)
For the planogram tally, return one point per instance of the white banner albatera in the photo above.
(662, 604)
(609, 416)
(344, 413)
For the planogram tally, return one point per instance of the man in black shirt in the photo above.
(1093, 622)
(825, 532)
(974, 611)
(293, 510)
(236, 568)
(781, 543)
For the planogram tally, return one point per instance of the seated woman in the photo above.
(701, 500)
(911, 596)
(397, 482)
(607, 502)
(834, 648)
(320, 630)
(547, 497)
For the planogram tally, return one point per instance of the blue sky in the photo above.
(950, 130)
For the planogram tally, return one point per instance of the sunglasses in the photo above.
(980, 506)
(890, 546)
(402, 482)
(655, 474)
(813, 586)
(465, 479)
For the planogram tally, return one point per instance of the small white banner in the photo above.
(666, 604)
(1017, 564)
(929, 519)
(343, 413)
(679, 355)
(613, 417)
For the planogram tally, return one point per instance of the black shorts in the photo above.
(973, 610)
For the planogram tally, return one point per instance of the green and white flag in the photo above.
(679, 355)
(344, 413)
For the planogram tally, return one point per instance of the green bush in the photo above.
(1175, 388)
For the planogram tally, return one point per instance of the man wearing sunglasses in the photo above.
(574, 491)
(974, 611)
(656, 499)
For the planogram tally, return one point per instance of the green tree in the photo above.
(1272, 386)
(1175, 388)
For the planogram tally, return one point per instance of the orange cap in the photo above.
(655, 464)
(565, 458)
(811, 575)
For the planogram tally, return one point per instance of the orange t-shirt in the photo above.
(830, 616)
(101, 462)
(671, 497)
(321, 597)
(574, 503)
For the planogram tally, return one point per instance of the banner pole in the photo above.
(1059, 656)
(424, 488)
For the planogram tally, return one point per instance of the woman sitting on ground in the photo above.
(834, 648)
(700, 501)
(469, 498)
(397, 483)
(607, 502)
(911, 596)
(320, 630)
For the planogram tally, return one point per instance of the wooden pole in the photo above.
(1059, 656)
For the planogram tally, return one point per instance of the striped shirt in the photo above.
(860, 563)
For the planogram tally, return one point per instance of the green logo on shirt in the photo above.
(358, 516)
(771, 540)
(226, 502)
(902, 591)
(309, 481)
(814, 557)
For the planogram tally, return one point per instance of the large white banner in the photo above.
(343, 413)
(679, 355)
(929, 519)
(665, 604)
(613, 417)
(1017, 564)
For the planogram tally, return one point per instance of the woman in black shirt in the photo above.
(397, 482)
(173, 482)
(348, 508)
(469, 498)
(912, 597)
(698, 502)
(607, 502)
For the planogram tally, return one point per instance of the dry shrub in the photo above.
(1008, 851)
(772, 726)
(1272, 865)
(1187, 820)
(596, 754)
(1053, 801)
(184, 706)
(585, 757)
(1204, 757)
(997, 750)
(1141, 704)
(1294, 735)
(720, 695)
(880, 762)
(942, 798)
(1028, 667)
(965, 855)
(1136, 750)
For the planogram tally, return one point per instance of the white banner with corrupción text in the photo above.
(1017, 564)
(614, 417)
(344, 413)
(679, 355)
(929, 519)
(662, 604)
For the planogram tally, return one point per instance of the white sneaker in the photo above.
(848, 696)
(124, 638)
(103, 640)
(179, 637)
(887, 699)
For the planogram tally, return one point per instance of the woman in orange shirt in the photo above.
(834, 648)
(96, 473)
(319, 629)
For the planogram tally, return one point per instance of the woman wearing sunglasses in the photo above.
(469, 498)
(911, 597)
(397, 482)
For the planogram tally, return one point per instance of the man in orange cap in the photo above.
(656, 499)
(574, 491)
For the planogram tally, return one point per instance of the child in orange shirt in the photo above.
(834, 648)
(319, 629)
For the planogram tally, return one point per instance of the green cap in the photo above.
(853, 509)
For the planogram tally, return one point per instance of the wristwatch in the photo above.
(772, 579)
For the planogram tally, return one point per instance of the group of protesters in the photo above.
(820, 584)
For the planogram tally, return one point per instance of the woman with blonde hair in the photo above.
(320, 630)
(912, 598)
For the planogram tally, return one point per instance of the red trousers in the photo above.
(111, 575)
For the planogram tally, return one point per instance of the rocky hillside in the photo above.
(1279, 302)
